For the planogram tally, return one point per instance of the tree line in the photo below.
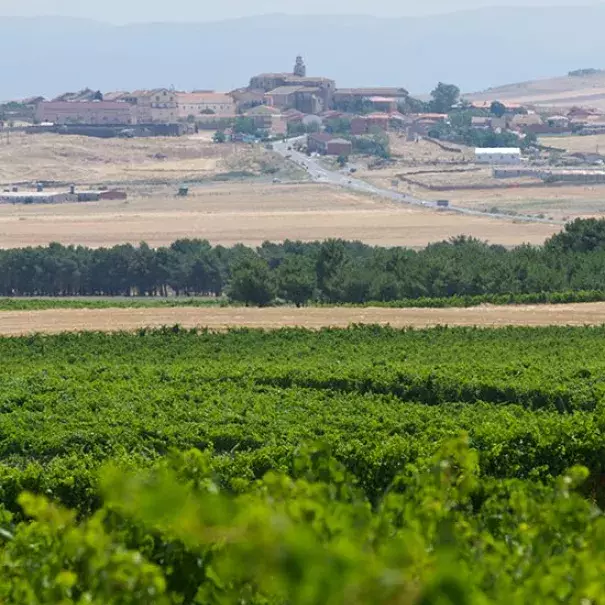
(332, 272)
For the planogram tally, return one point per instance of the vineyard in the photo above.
(368, 465)
(549, 298)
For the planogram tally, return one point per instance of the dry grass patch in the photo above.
(425, 152)
(251, 213)
(63, 320)
(85, 160)
(562, 91)
(583, 144)
(561, 203)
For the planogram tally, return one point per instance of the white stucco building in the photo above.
(200, 103)
(498, 155)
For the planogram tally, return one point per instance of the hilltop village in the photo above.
(301, 134)
(291, 103)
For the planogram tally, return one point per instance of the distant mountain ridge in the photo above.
(474, 49)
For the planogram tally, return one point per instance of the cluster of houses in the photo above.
(275, 102)
(159, 106)
(580, 120)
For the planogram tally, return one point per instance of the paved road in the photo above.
(331, 177)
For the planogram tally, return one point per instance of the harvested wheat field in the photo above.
(64, 320)
(250, 213)
(594, 143)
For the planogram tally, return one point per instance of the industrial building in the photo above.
(36, 197)
(58, 197)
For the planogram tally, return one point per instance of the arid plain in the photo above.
(232, 199)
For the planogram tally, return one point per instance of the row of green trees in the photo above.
(334, 271)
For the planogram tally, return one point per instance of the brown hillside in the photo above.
(564, 91)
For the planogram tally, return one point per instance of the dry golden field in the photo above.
(594, 143)
(62, 320)
(237, 211)
(560, 203)
(250, 213)
(90, 161)
(426, 152)
(427, 164)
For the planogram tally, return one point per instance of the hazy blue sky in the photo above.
(121, 11)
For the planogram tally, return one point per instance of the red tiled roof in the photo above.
(322, 137)
(203, 97)
(340, 141)
(95, 104)
(377, 116)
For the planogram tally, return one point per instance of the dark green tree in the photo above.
(219, 137)
(296, 279)
(244, 126)
(339, 126)
(412, 105)
(581, 235)
(498, 109)
(296, 129)
(444, 97)
(332, 266)
(144, 270)
(375, 144)
(252, 282)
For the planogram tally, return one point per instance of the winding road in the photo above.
(320, 174)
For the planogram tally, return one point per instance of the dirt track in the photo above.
(53, 321)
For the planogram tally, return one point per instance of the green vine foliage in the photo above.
(359, 466)
(439, 534)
